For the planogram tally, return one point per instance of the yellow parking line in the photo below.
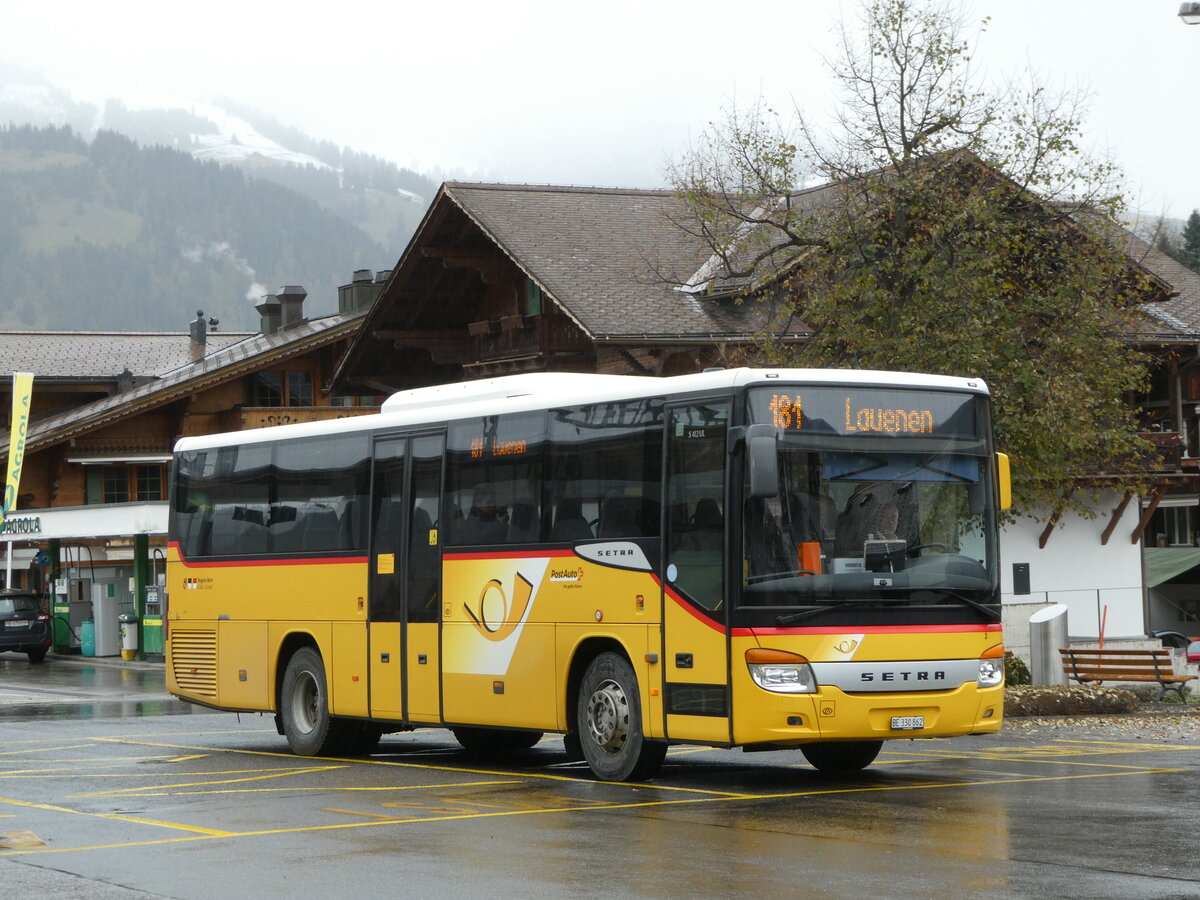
(209, 832)
(42, 749)
(429, 768)
(256, 776)
(206, 834)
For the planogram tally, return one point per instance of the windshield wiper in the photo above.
(775, 576)
(793, 618)
(993, 614)
(988, 611)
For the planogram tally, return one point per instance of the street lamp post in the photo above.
(1190, 13)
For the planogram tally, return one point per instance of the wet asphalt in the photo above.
(111, 788)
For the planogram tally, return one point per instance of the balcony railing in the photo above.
(264, 416)
(515, 336)
(1165, 452)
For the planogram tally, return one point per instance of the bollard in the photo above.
(129, 635)
(1047, 632)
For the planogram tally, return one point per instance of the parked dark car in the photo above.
(24, 626)
(1172, 639)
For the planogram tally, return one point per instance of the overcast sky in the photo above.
(554, 92)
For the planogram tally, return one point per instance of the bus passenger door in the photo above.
(423, 575)
(405, 579)
(385, 590)
(696, 693)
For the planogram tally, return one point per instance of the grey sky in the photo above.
(588, 93)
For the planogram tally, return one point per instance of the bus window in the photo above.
(605, 470)
(696, 492)
(494, 475)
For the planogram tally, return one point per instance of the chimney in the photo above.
(270, 314)
(361, 292)
(199, 337)
(291, 298)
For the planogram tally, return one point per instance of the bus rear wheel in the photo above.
(840, 757)
(609, 722)
(304, 707)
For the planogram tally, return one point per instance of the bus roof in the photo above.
(548, 390)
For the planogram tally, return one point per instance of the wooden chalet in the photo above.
(107, 410)
(500, 279)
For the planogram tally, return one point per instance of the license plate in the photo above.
(908, 723)
(17, 623)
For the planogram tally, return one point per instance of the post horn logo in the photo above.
(493, 615)
(847, 646)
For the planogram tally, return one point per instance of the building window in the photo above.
(533, 298)
(116, 484)
(149, 483)
(355, 400)
(300, 389)
(120, 484)
(282, 389)
(1173, 526)
(268, 389)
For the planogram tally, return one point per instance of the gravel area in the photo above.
(1170, 723)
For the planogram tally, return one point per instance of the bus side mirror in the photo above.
(1004, 481)
(762, 461)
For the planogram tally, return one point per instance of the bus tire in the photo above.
(840, 757)
(486, 741)
(304, 707)
(609, 722)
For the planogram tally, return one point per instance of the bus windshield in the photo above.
(886, 517)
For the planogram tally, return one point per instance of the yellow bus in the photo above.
(754, 558)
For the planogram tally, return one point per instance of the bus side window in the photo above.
(494, 475)
(569, 523)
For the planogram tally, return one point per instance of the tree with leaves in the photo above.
(1189, 252)
(951, 228)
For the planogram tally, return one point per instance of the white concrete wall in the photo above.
(1101, 585)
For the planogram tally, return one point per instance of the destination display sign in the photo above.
(865, 412)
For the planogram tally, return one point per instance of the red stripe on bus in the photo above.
(507, 554)
(871, 629)
(691, 609)
(293, 561)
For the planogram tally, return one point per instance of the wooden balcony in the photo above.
(525, 336)
(1165, 452)
(265, 416)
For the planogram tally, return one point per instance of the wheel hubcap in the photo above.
(304, 702)
(608, 717)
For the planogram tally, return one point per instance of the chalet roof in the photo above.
(608, 258)
(102, 356)
(1176, 318)
(249, 354)
(596, 251)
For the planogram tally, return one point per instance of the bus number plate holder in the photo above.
(908, 723)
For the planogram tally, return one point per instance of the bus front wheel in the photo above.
(839, 757)
(609, 722)
(304, 706)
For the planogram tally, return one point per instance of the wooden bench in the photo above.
(1095, 666)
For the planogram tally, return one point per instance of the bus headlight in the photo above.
(781, 672)
(991, 667)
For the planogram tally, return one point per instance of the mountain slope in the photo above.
(109, 234)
